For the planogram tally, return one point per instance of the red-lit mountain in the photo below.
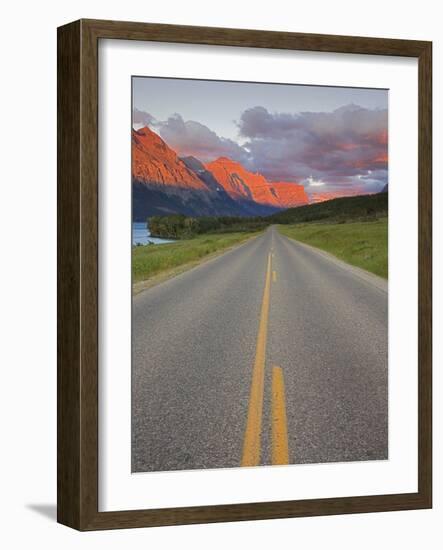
(290, 194)
(153, 162)
(240, 184)
(164, 184)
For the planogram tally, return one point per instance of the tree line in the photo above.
(179, 226)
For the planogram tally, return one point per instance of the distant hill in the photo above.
(344, 209)
(341, 210)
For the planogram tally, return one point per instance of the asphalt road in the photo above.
(272, 353)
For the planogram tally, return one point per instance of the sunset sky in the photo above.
(331, 140)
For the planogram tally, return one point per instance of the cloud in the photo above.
(311, 182)
(141, 118)
(191, 138)
(340, 148)
(196, 139)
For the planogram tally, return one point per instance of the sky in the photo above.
(329, 139)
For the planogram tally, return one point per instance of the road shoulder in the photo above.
(366, 276)
(141, 286)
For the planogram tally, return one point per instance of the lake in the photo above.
(141, 235)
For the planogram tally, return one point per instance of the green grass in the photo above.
(151, 260)
(363, 244)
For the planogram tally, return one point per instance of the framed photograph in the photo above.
(231, 206)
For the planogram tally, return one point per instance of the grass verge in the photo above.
(154, 263)
(363, 244)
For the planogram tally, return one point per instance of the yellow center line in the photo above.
(280, 448)
(274, 276)
(252, 440)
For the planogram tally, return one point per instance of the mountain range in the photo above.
(164, 183)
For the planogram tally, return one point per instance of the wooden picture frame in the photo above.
(78, 274)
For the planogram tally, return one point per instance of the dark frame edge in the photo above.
(77, 170)
(77, 299)
(254, 38)
(130, 519)
(68, 274)
(425, 273)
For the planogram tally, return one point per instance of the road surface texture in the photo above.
(272, 353)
